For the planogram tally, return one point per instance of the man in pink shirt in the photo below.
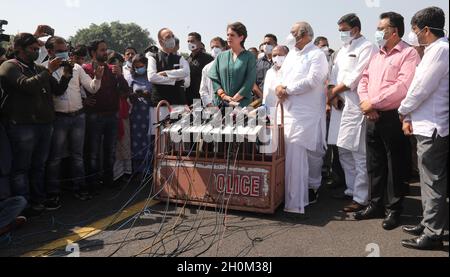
(383, 87)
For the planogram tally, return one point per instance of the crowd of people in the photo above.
(88, 113)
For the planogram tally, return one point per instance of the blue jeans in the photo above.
(10, 209)
(5, 164)
(101, 128)
(67, 131)
(30, 146)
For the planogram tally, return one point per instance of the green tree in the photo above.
(117, 35)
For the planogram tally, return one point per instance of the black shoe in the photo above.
(95, 191)
(414, 230)
(341, 196)
(53, 203)
(371, 212)
(34, 210)
(392, 221)
(354, 207)
(116, 185)
(83, 196)
(313, 196)
(423, 242)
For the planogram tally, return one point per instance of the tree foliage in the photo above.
(117, 35)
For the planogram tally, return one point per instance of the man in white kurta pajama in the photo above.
(352, 60)
(302, 89)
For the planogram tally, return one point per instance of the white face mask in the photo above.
(326, 50)
(379, 38)
(268, 49)
(192, 46)
(170, 43)
(291, 41)
(261, 55)
(346, 37)
(413, 38)
(215, 52)
(278, 61)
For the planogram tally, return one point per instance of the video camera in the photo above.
(2, 36)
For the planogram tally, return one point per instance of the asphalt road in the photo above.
(171, 230)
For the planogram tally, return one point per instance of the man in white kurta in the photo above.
(302, 90)
(206, 92)
(273, 79)
(352, 60)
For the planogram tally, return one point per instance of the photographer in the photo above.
(70, 123)
(28, 114)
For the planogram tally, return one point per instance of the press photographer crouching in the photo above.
(28, 115)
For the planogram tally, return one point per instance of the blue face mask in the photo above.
(140, 71)
(63, 56)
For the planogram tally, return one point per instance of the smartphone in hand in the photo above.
(95, 65)
(49, 30)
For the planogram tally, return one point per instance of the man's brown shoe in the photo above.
(354, 207)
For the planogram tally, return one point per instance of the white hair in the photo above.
(305, 29)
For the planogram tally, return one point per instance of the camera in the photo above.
(152, 49)
(66, 63)
(3, 37)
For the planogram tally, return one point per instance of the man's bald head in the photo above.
(303, 29)
(165, 33)
(280, 50)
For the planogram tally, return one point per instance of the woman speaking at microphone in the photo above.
(234, 72)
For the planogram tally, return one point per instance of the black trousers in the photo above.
(5, 164)
(388, 161)
(331, 162)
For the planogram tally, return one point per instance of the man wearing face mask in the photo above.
(28, 114)
(264, 64)
(197, 61)
(349, 134)
(302, 90)
(167, 72)
(322, 43)
(273, 77)
(425, 114)
(382, 88)
(218, 45)
(70, 123)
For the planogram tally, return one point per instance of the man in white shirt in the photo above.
(425, 114)
(351, 61)
(302, 90)
(70, 124)
(218, 45)
(167, 72)
(273, 77)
